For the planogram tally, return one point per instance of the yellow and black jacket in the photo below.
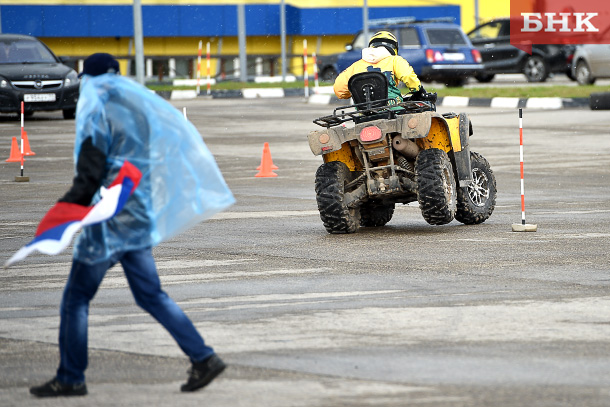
(394, 67)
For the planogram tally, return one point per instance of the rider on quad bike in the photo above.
(382, 56)
(397, 151)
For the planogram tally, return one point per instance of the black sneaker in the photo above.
(202, 373)
(54, 388)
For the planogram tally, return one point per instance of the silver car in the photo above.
(591, 61)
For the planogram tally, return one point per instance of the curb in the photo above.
(499, 102)
(325, 98)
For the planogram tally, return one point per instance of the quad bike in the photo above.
(397, 153)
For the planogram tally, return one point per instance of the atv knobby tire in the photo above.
(375, 214)
(476, 202)
(436, 191)
(331, 179)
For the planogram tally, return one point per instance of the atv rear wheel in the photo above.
(375, 214)
(331, 179)
(476, 202)
(436, 191)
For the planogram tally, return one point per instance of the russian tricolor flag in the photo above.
(62, 221)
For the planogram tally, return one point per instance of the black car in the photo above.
(30, 72)
(492, 39)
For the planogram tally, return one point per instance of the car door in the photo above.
(599, 60)
(493, 42)
(410, 48)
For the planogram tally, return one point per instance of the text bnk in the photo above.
(533, 22)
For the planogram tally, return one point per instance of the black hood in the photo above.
(24, 72)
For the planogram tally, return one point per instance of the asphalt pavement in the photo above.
(403, 315)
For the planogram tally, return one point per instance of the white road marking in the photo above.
(57, 273)
(267, 214)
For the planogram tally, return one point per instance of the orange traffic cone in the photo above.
(266, 163)
(273, 166)
(26, 145)
(15, 153)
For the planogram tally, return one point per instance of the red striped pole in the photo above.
(199, 67)
(522, 227)
(305, 76)
(207, 58)
(22, 130)
(521, 165)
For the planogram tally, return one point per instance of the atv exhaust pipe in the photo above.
(406, 147)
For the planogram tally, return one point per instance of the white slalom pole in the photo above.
(22, 130)
(207, 58)
(523, 227)
(521, 166)
(199, 67)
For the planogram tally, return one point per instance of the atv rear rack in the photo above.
(373, 110)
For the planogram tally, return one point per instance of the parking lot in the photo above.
(407, 314)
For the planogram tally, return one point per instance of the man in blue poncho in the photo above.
(119, 121)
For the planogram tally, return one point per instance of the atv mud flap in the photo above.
(461, 151)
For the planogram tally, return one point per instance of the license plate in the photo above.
(39, 97)
(454, 56)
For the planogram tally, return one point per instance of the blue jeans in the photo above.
(141, 272)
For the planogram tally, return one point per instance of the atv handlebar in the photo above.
(425, 97)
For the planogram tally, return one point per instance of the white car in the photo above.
(591, 62)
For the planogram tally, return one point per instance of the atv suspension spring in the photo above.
(407, 166)
(356, 182)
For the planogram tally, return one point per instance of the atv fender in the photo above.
(415, 125)
(327, 140)
(461, 151)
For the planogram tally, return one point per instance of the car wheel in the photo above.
(485, 77)
(535, 69)
(69, 114)
(328, 74)
(455, 83)
(583, 74)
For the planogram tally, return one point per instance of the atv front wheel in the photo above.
(331, 179)
(477, 201)
(375, 214)
(436, 191)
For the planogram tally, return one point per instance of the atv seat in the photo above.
(369, 91)
(370, 88)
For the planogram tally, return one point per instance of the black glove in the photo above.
(419, 94)
(422, 95)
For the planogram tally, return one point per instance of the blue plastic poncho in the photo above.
(181, 184)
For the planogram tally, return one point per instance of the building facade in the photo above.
(173, 29)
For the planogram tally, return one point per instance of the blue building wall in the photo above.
(198, 20)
